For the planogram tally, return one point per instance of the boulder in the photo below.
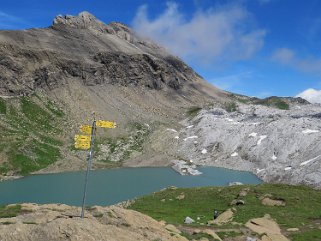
(271, 202)
(267, 227)
(189, 220)
(223, 218)
(173, 229)
(212, 233)
(181, 196)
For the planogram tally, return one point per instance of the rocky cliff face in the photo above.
(84, 48)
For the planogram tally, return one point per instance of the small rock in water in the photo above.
(235, 183)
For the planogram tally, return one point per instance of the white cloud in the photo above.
(219, 34)
(311, 95)
(289, 57)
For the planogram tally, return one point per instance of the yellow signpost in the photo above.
(82, 138)
(85, 142)
(82, 146)
(106, 124)
(86, 129)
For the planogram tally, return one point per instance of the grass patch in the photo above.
(197, 236)
(311, 235)
(193, 111)
(230, 234)
(29, 222)
(54, 109)
(9, 211)
(98, 215)
(230, 106)
(273, 101)
(3, 106)
(29, 136)
(36, 114)
(302, 208)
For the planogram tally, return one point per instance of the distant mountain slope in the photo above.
(54, 79)
(84, 48)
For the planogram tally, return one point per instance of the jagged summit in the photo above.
(83, 20)
(86, 20)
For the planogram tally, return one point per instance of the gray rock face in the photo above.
(276, 145)
(84, 48)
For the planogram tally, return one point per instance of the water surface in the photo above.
(108, 187)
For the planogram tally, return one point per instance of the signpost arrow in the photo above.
(106, 124)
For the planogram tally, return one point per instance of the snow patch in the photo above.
(230, 120)
(188, 127)
(258, 170)
(234, 154)
(287, 168)
(261, 139)
(190, 137)
(274, 157)
(253, 134)
(204, 151)
(176, 137)
(173, 130)
(308, 161)
(308, 131)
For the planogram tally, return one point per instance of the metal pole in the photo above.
(89, 161)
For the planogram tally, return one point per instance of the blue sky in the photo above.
(252, 47)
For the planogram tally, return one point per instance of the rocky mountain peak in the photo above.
(84, 20)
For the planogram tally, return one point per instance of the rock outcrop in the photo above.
(276, 145)
(61, 222)
(84, 48)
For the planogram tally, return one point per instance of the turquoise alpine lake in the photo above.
(106, 187)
